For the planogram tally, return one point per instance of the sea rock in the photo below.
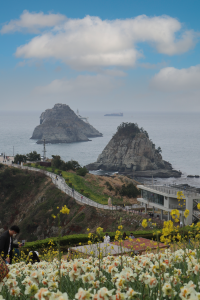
(131, 151)
(61, 125)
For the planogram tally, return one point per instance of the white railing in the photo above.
(172, 190)
(59, 181)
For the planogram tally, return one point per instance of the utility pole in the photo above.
(44, 151)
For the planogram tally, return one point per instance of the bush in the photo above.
(129, 190)
(82, 171)
(109, 186)
(70, 184)
(87, 195)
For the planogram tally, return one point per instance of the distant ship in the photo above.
(114, 115)
(85, 119)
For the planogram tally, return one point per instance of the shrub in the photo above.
(70, 184)
(109, 186)
(82, 171)
(87, 195)
(129, 190)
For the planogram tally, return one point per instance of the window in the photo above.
(152, 197)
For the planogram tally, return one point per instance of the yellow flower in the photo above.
(88, 229)
(99, 230)
(198, 206)
(186, 213)
(175, 214)
(65, 210)
(144, 223)
(53, 216)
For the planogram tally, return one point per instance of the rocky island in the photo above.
(61, 125)
(130, 151)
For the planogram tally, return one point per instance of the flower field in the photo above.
(168, 275)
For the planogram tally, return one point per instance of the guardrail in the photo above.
(172, 190)
(59, 181)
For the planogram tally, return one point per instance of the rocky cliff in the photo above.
(131, 151)
(61, 125)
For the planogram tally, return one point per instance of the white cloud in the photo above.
(33, 22)
(171, 79)
(91, 42)
(81, 86)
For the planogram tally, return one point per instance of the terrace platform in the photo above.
(137, 245)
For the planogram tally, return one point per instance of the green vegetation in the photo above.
(32, 156)
(129, 190)
(82, 171)
(88, 189)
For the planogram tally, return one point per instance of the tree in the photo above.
(33, 156)
(57, 162)
(19, 158)
(159, 150)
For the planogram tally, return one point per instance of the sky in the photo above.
(100, 55)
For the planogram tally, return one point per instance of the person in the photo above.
(106, 238)
(33, 257)
(131, 236)
(7, 245)
(181, 224)
(124, 236)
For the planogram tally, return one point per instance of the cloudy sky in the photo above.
(104, 55)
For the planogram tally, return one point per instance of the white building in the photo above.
(164, 198)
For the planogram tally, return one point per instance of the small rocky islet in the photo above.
(61, 125)
(130, 151)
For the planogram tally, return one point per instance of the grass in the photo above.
(91, 190)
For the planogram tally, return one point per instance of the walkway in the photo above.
(61, 184)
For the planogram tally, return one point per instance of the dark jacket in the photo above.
(4, 245)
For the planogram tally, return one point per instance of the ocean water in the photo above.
(178, 135)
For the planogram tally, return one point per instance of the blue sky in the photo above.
(100, 55)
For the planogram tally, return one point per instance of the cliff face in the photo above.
(61, 125)
(131, 150)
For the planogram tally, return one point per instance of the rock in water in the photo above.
(61, 125)
(131, 151)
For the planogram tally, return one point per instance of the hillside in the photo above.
(29, 199)
(100, 188)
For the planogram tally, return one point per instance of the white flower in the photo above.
(42, 294)
(15, 291)
(31, 289)
(131, 294)
(83, 294)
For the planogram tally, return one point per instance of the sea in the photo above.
(178, 135)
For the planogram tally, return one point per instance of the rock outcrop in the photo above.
(131, 151)
(61, 125)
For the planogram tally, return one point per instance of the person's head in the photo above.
(14, 230)
(106, 234)
(131, 233)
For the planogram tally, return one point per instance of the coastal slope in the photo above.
(131, 151)
(61, 125)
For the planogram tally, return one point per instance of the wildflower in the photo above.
(144, 223)
(186, 213)
(198, 206)
(65, 210)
